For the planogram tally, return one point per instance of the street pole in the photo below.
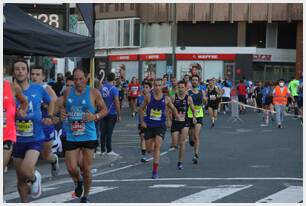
(173, 36)
(67, 29)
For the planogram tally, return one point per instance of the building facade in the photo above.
(261, 41)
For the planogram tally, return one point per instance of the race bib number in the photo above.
(4, 118)
(197, 109)
(24, 128)
(134, 90)
(181, 115)
(78, 127)
(212, 97)
(155, 114)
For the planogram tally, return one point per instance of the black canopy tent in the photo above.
(24, 35)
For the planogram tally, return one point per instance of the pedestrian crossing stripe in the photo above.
(212, 194)
(291, 194)
(64, 197)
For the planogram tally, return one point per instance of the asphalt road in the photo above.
(239, 162)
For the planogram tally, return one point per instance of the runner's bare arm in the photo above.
(172, 107)
(190, 103)
(53, 96)
(99, 102)
(142, 110)
(117, 105)
(22, 99)
(63, 103)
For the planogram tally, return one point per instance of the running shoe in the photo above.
(36, 186)
(55, 167)
(112, 153)
(79, 189)
(84, 200)
(154, 175)
(195, 159)
(212, 125)
(144, 159)
(180, 166)
(280, 126)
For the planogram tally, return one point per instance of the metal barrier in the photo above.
(234, 110)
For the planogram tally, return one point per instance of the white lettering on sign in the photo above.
(208, 56)
(153, 57)
(262, 57)
(51, 19)
(124, 57)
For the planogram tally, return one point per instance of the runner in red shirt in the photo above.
(133, 93)
(242, 92)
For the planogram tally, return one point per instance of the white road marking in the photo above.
(166, 186)
(120, 130)
(292, 194)
(64, 197)
(212, 194)
(15, 195)
(204, 178)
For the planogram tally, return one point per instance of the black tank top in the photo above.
(212, 94)
(181, 105)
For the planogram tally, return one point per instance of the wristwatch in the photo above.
(97, 116)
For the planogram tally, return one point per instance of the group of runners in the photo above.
(31, 109)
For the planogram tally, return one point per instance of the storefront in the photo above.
(269, 68)
(153, 65)
(209, 65)
(124, 66)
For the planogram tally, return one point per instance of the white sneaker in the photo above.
(112, 153)
(36, 186)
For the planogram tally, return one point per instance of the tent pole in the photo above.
(92, 71)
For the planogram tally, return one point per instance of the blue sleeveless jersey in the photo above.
(29, 129)
(156, 112)
(76, 105)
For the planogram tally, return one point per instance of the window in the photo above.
(206, 34)
(115, 33)
(132, 6)
(256, 34)
(116, 7)
(126, 37)
(286, 35)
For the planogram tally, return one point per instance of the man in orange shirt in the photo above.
(280, 94)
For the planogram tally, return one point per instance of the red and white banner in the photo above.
(205, 56)
(128, 57)
(262, 57)
(149, 57)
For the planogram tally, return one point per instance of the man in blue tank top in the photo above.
(154, 122)
(30, 135)
(79, 106)
(38, 76)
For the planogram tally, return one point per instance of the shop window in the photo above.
(256, 34)
(259, 73)
(115, 33)
(286, 35)
(207, 34)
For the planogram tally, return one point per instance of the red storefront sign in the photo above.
(149, 57)
(205, 56)
(262, 57)
(128, 57)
